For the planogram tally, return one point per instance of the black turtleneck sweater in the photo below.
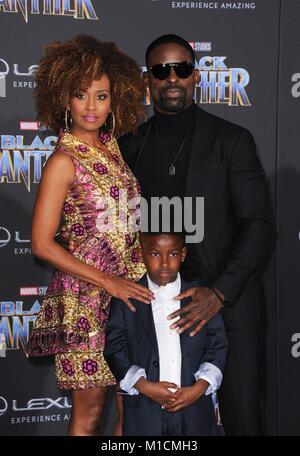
(154, 162)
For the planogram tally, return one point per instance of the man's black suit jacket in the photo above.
(225, 170)
(131, 340)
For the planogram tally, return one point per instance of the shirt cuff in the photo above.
(133, 374)
(210, 373)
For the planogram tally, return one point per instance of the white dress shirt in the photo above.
(168, 342)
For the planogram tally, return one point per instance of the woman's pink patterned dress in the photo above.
(71, 323)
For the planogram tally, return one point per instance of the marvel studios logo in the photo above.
(33, 291)
(200, 46)
(34, 126)
(31, 125)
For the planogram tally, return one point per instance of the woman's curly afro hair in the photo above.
(71, 66)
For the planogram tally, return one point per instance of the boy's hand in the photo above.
(187, 396)
(157, 391)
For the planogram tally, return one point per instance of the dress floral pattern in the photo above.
(71, 323)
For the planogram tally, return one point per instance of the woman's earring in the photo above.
(67, 117)
(112, 123)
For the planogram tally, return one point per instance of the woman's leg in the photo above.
(86, 413)
(118, 426)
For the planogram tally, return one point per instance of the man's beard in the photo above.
(170, 104)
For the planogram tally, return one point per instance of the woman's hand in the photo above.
(124, 289)
(121, 288)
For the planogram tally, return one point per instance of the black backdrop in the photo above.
(250, 48)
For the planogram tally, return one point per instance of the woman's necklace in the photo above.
(172, 168)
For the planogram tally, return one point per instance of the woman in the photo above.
(81, 85)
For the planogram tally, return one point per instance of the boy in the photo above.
(168, 378)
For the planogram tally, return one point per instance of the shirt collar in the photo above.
(169, 288)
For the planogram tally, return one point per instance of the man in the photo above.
(185, 151)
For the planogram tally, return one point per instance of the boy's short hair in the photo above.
(179, 234)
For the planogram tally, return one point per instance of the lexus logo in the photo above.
(5, 236)
(3, 405)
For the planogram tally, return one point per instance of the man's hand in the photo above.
(157, 391)
(187, 395)
(205, 305)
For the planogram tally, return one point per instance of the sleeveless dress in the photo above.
(104, 226)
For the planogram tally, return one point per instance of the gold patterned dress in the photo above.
(101, 214)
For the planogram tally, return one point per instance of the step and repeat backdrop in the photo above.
(248, 59)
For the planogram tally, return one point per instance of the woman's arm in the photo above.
(57, 177)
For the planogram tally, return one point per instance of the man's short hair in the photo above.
(166, 39)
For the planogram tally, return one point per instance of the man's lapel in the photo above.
(196, 181)
(201, 150)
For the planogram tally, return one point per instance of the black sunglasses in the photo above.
(182, 69)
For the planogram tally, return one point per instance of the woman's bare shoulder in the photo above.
(61, 164)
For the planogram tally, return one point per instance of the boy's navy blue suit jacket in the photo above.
(131, 340)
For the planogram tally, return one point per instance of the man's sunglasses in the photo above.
(162, 71)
